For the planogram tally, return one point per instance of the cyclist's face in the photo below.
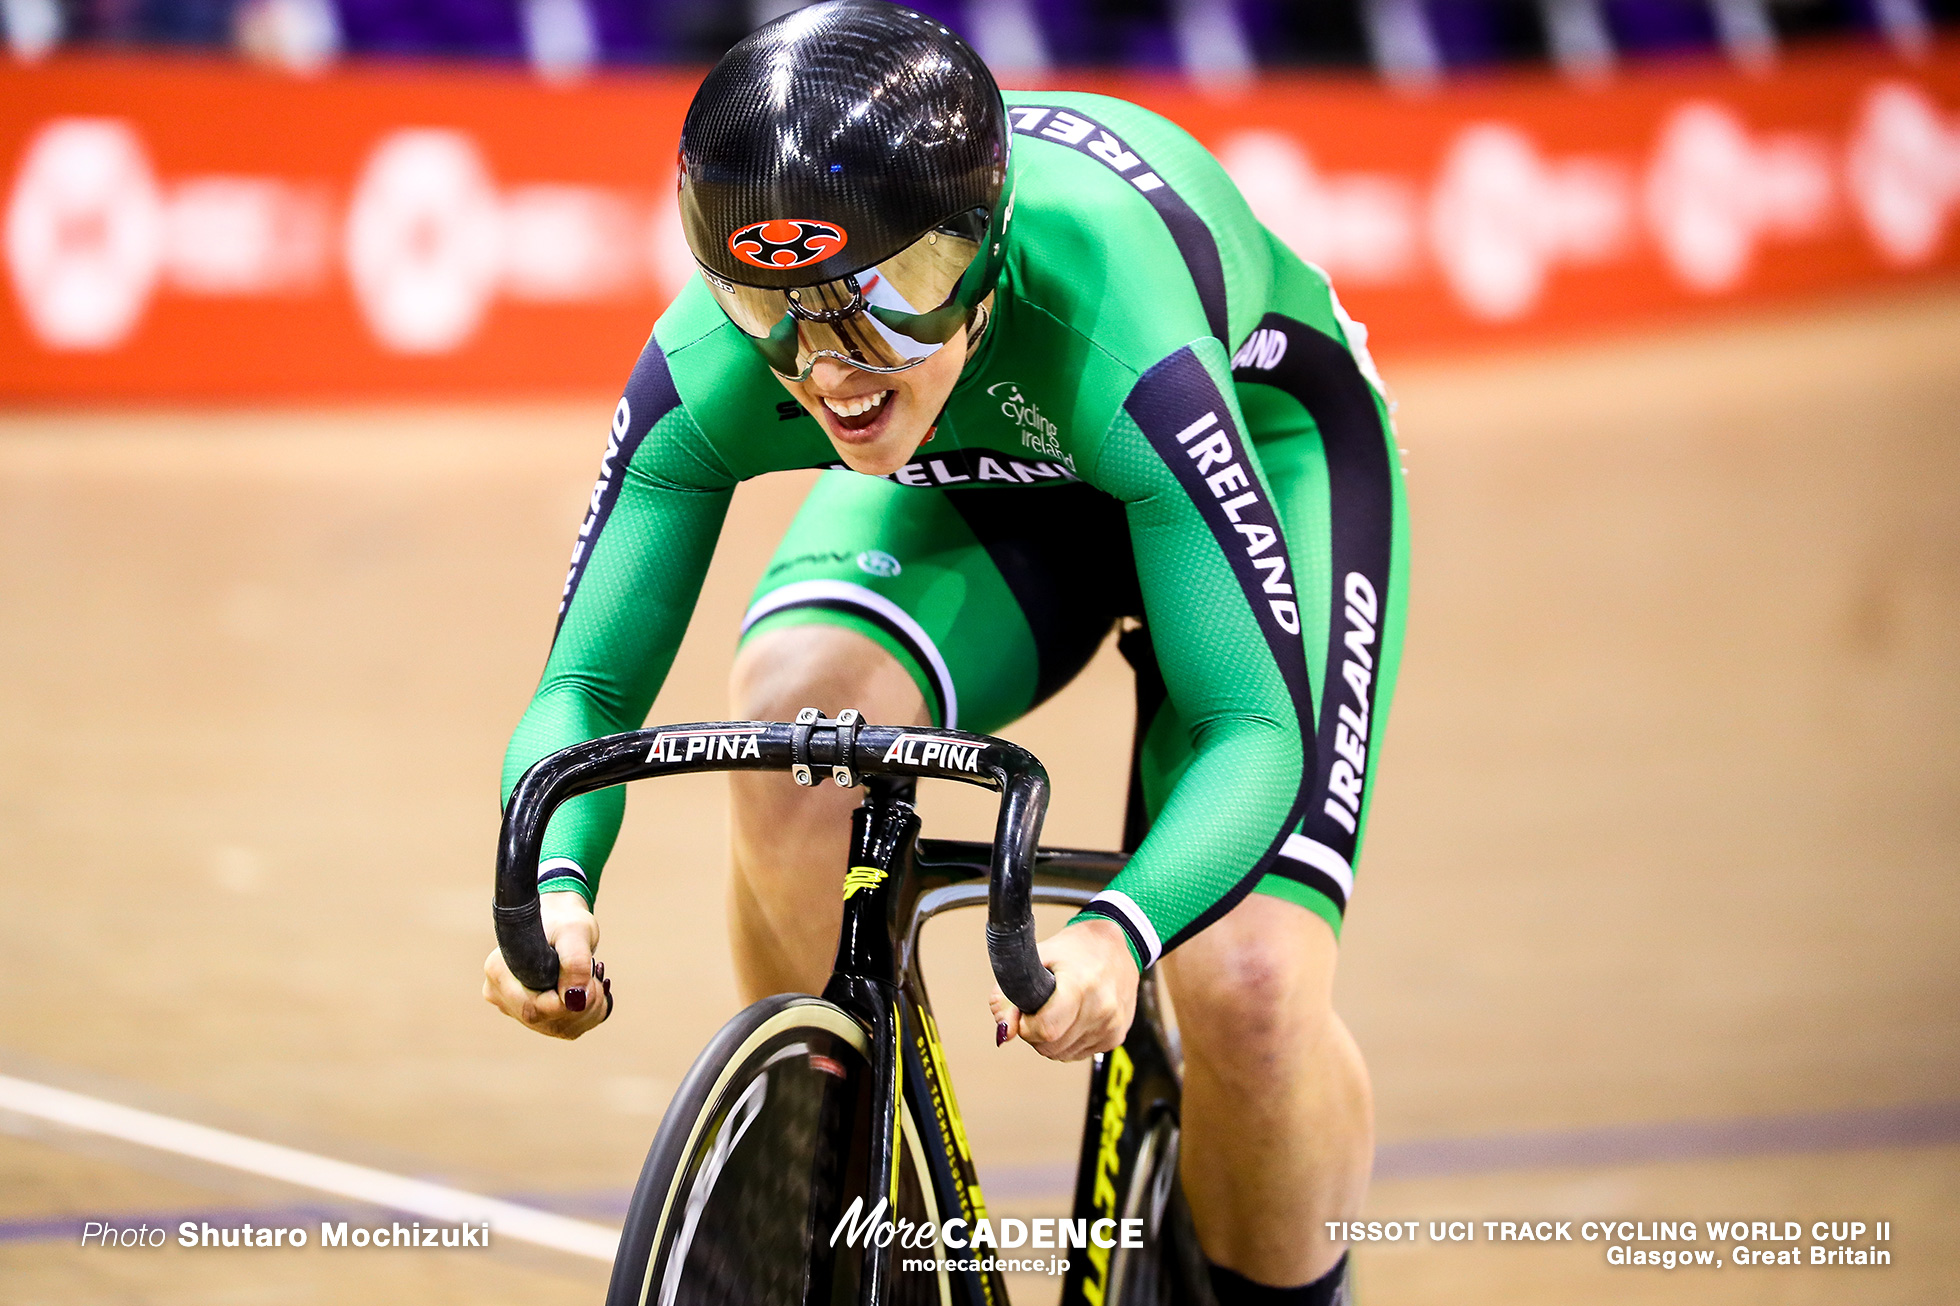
(877, 438)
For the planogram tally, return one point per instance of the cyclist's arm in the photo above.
(636, 571)
(1219, 596)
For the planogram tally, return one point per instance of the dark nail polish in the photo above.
(598, 970)
(575, 999)
(1000, 1032)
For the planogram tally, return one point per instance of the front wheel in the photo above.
(763, 1149)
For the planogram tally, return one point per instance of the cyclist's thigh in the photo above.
(1334, 474)
(991, 599)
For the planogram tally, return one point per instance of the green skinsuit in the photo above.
(1170, 418)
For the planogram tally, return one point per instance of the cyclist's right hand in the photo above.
(583, 997)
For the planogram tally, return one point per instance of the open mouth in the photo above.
(858, 412)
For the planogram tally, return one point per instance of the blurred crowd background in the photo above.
(1399, 39)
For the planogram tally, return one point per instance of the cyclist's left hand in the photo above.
(583, 998)
(1095, 994)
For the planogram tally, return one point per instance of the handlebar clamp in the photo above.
(799, 745)
(848, 722)
(844, 770)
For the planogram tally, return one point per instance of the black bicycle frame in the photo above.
(1133, 1089)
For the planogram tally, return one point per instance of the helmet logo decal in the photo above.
(781, 243)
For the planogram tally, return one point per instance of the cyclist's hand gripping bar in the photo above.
(842, 750)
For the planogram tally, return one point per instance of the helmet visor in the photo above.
(886, 318)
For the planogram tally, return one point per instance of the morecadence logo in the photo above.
(875, 1228)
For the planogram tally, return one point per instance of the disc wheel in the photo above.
(763, 1149)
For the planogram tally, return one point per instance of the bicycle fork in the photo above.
(864, 982)
(880, 891)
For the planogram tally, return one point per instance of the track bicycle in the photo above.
(809, 1124)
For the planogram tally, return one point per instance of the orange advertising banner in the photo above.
(182, 229)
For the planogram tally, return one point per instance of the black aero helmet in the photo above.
(841, 185)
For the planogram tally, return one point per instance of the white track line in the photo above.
(323, 1174)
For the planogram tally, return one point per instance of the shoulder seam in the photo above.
(686, 449)
(719, 468)
(1122, 409)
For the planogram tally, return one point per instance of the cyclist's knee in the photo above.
(780, 671)
(1254, 991)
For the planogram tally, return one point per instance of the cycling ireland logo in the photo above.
(1037, 431)
(780, 243)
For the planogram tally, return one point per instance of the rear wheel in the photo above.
(764, 1147)
(1168, 1269)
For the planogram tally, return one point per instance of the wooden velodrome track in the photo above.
(1658, 919)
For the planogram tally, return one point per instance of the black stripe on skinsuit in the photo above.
(1194, 240)
(890, 627)
(650, 396)
(1313, 879)
(1065, 556)
(1187, 421)
(1122, 923)
(1141, 654)
(1322, 374)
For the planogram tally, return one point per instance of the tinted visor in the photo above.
(885, 318)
